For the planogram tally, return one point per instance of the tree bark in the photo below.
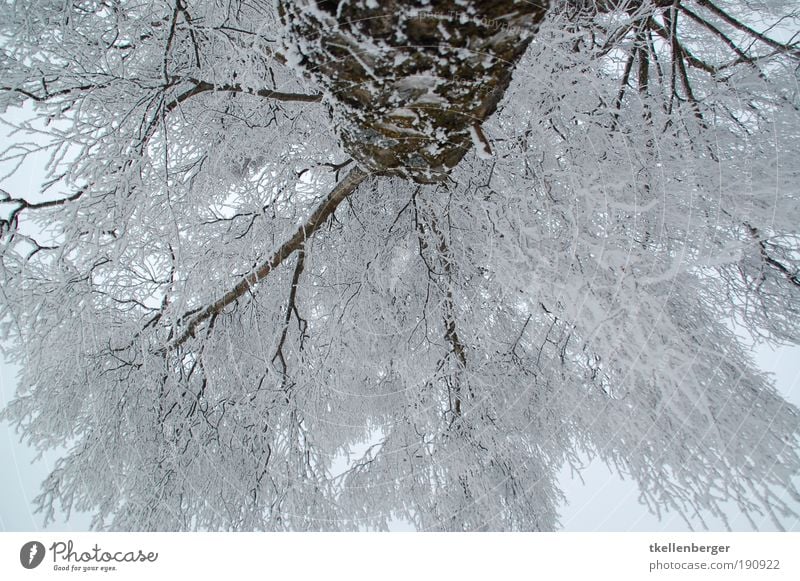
(408, 83)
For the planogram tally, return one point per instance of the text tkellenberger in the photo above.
(676, 548)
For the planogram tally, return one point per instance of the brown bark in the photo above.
(406, 80)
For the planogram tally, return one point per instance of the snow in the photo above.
(481, 147)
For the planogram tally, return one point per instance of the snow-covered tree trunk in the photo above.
(409, 83)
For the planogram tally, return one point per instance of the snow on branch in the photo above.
(346, 187)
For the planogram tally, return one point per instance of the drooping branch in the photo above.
(346, 187)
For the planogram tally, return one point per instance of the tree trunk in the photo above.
(409, 83)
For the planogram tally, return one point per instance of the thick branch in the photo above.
(746, 29)
(626, 74)
(444, 257)
(291, 307)
(721, 35)
(690, 58)
(792, 277)
(204, 87)
(47, 95)
(23, 204)
(305, 231)
(678, 64)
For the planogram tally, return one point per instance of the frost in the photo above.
(482, 149)
(403, 112)
(242, 308)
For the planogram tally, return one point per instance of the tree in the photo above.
(254, 253)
